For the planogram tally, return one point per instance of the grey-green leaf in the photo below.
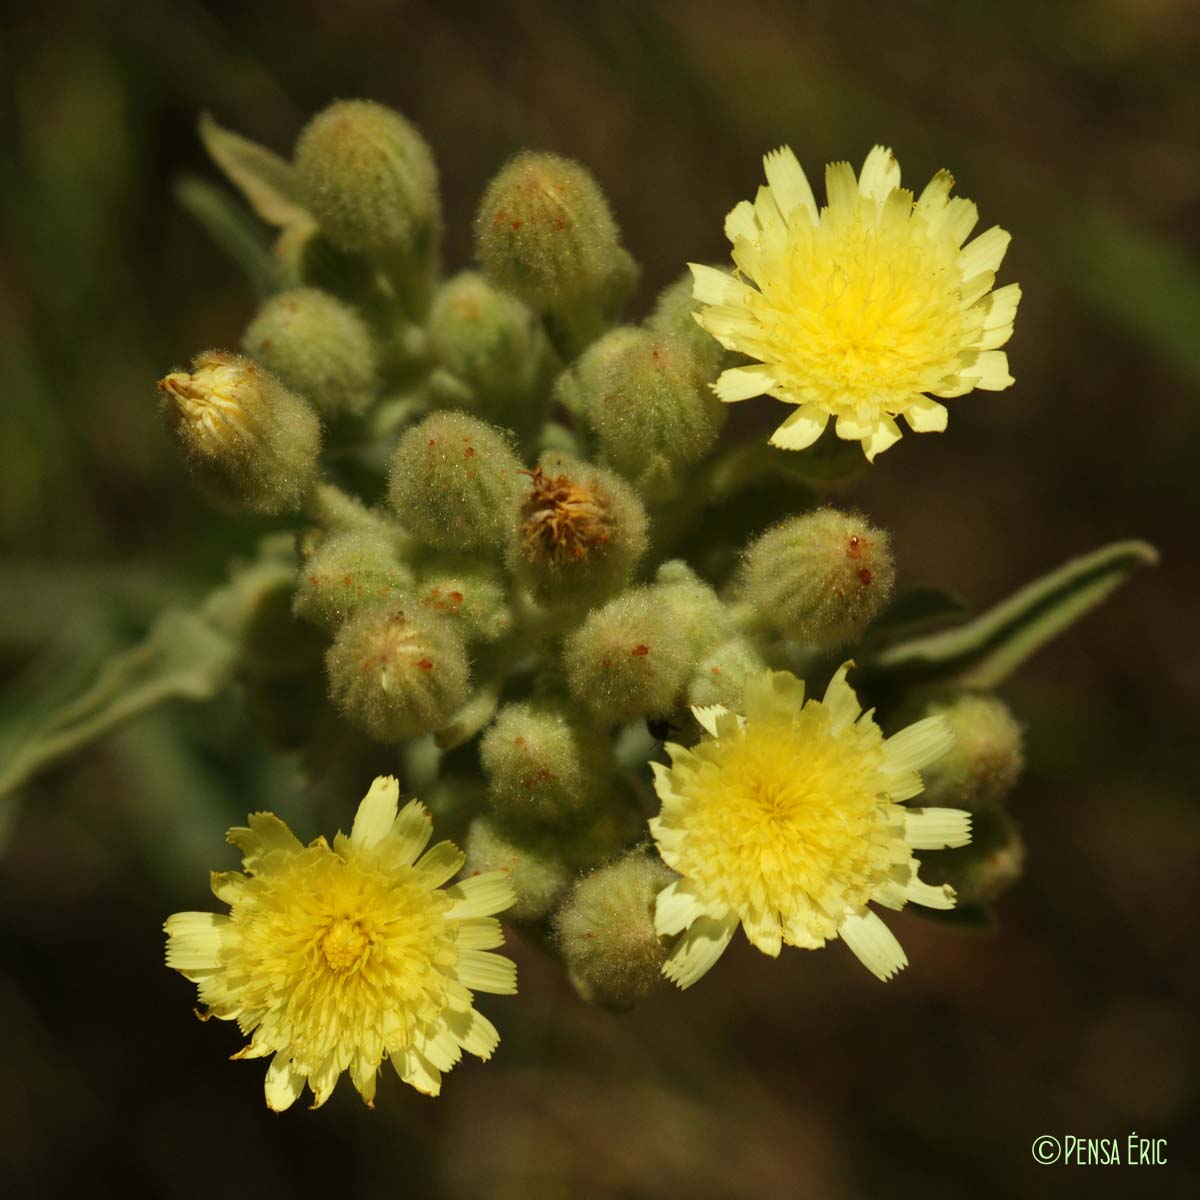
(182, 657)
(983, 652)
(233, 229)
(267, 181)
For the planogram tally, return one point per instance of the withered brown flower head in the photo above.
(562, 520)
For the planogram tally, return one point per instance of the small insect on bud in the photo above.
(545, 232)
(629, 659)
(248, 441)
(319, 347)
(985, 868)
(986, 759)
(674, 314)
(820, 578)
(347, 573)
(467, 593)
(605, 931)
(537, 874)
(542, 767)
(721, 674)
(396, 671)
(369, 178)
(494, 351)
(580, 532)
(652, 410)
(454, 482)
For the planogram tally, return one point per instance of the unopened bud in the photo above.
(986, 867)
(545, 232)
(250, 443)
(396, 671)
(319, 347)
(629, 659)
(820, 578)
(605, 931)
(537, 874)
(347, 573)
(494, 351)
(582, 379)
(542, 767)
(580, 532)
(986, 759)
(471, 595)
(693, 604)
(454, 482)
(721, 674)
(674, 313)
(652, 411)
(368, 177)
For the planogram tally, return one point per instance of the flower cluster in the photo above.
(539, 573)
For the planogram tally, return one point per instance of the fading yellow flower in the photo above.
(791, 819)
(334, 959)
(861, 311)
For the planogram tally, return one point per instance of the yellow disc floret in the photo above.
(863, 310)
(336, 958)
(789, 820)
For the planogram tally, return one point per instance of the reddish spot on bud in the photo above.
(470, 452)
(518, 741)
(517, 224)
(606, 662)
(433, 441)
(456, 597)
(425, 664)
(852, 546)
(345, 581)
(314, 579)
(640, 650)
(559, 223)
(865, 576)
(716, 670)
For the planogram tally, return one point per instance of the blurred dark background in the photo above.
(1076, 125)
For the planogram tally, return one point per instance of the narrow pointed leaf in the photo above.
(267, 181)
(233, 229)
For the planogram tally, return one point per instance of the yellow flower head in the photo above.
(334, 959)
(859, 310)
(790, 819)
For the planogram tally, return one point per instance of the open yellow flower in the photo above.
(861, 311)
(334, 959)
(790, 819)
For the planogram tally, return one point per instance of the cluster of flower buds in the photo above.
(532, 553)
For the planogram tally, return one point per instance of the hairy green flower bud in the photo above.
(492, 352)
(986, 867)
(249, 442)
(693, 604)
(319, 347)
(629, 659)
(652, 410)
(537, 874)
(605, 931)
(368, 177)
(579, 533)
(545, 232)
(674, 313)
(347, 573)
(720, 675)
(397, 671)
(541, 766)
(454, 482)
(581, 379)
(986, 759)
(820, 578)
(469, 594)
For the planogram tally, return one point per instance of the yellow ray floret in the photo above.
(335, 958)
(862, 311)
(790, 819)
